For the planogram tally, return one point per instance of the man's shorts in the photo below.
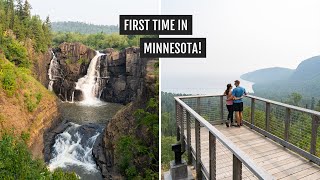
(238, 106)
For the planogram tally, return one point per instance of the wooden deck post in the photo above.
(253, 107)
(287, 124)
(315, 125)
(189, 138)
(183, 145)
(177, 121)
(237, 168)
(268, 109)
(198, 150)
(221, 107)
(212, 156)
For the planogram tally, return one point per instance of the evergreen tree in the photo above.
(19, 8)
(26, 10)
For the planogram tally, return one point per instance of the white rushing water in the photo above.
(69, 151)
(88, 84)
(53, 71)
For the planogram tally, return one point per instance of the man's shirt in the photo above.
(238, 92)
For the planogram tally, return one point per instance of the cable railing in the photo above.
(293, 127)
(185, 113)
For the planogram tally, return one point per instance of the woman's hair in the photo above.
(228, 89)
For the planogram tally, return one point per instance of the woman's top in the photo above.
(229, 102)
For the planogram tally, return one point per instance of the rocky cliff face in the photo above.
(22, 114)
(73, 60)
(141, 75)
(120, 73)
(125, 73)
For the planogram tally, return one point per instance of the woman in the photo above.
(229, 104)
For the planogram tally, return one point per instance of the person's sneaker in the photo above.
(241, 124)
(227, 124)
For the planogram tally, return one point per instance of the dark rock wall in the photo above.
(124, 122)
(125, 71)
(74, 60)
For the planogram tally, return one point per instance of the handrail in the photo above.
(239, 154)
(309, 111)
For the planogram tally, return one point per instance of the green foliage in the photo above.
(15, 52)
(68, 61)
(168, 121)
(8, 79)
(16, 162)
(32, 101)
(138, 157)
(18, 27)
(167, 154)
(82, 61)
(25, 136)
(98, 40)
(128, 148)
(83, 28)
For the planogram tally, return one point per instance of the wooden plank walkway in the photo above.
(272, 157)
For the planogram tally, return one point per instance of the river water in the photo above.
(72, 150)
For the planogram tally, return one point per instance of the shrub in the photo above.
(16, 162)
(8, 81)
(31, 106)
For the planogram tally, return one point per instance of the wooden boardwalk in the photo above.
(272, 157)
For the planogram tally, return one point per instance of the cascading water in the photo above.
(53, 71)
(73, 150)
(88, 84)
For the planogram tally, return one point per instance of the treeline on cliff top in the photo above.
(83, 28)
(21, 33)
(94, 36)
(100, 40)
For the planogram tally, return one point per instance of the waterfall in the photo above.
(72, 149)
(53, 71)
(88, 84)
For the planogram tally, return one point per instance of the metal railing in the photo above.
(293, 127)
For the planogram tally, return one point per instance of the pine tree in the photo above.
(26, 9)
(19, 9)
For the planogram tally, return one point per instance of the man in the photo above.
(237, 94)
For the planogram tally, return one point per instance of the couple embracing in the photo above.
(234, 103)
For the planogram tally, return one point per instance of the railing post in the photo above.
(268, 116)
(212, 156)
(189, 138)
(198, 106)
(198, 149)
(221, 107)
(183, 145)
(315, 125)
(237, 168)
(177, 120)
(287, 124)
(253, 107)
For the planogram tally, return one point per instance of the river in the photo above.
(72, 150)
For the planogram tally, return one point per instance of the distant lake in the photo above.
(201, 84)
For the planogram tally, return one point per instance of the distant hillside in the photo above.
(268, 74)
(307, 70)
(83, 28)
(278, 83)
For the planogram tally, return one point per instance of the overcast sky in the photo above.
(92, 11)
(242, 35)
(245, 35)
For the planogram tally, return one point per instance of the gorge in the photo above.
(92, 87)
